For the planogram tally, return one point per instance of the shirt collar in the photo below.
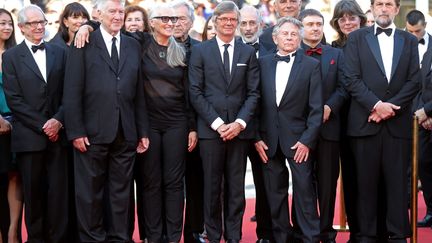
(107, 37)
(221, 43)
(289, 54)
(392, 26)
(30, 44)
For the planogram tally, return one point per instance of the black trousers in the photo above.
(224, 162)
(425, 166)
(304, 197)
(45, 188)
(139, 200)
(326, 174)
(103, 177)
(194, 181)
(262, 208)
(381, 165)
(163, 188)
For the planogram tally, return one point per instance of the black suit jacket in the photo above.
(299, 114)
(97, 97)
(424, 98)
(213, 96)
(367, 83)
(266, 40)
(334, 93)
(32, 100)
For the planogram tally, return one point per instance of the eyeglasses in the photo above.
(225, 20)
(166, 19)
(347, 19)
(35, 24)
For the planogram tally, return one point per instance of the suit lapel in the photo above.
(272, 79)
(29, 61)
(236, 56)
(215, 53)
(325, 61)
(50, 60)
(397, 51)
(372, 41)
(123, 53)
(293, 75)
(100, 43)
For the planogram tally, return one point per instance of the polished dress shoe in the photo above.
(263, 241)
(426, 221)
(253, 218)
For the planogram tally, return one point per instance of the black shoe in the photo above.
(253, 218)
(329, 241)
(232, 241)
(426, 221)
(194, 238)
(263, 241)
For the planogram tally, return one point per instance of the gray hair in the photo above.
(252, 8)
(225, 7)
(101, 4)
(289, 20)
(22, 17)
(180, 3)
(176, 54)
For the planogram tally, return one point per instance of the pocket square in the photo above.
(332, 62)
(241, 64)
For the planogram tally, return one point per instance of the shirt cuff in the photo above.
(376, 105)
(243, 123)
(217, 123)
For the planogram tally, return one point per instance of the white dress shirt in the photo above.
(386, 44)
(283, 71)
(108, 40)
(39, 57)
(256, 42)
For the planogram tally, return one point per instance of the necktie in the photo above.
(226, 62)
(283, 58)
(38, 47)
(422, 41)
(381, 30)
(114, 53)
(311, 51)
(254, 45)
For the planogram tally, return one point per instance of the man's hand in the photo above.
(192, 140)
(5, 126)
(261, 147)
(374, 117)
(82, 36)
(326, 114)
(386, 110)
(427, 124)
(143, 145)
(81, 143)
(421, 115)
(52, 127)
(221, 129)
(234, 129)
(302, 152)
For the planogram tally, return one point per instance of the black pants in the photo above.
(103, 177)
(425, 166)
(163, 189)
(381, 165)
(304, 197)
(45, 187)
(224, 162)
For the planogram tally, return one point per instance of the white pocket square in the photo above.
(241, 64)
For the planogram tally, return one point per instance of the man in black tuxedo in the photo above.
(223, 76)
(382, 78)
(250, 27)
(33, 83)
(106, 118)
(334, 95)
(291, 114)
(416, 25)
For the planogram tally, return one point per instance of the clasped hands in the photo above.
(301, 154)
(423, 119)
(229, 131)
(383, 111)
(51, 129)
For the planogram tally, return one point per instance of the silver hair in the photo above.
(257, 12)
(22, 17)
(290, 20)
(176, 54)
(191, 10)
(101, 4)
(225, 7)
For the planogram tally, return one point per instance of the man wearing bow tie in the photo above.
(33, 82)
(291, 114)
(379, 120)
(416, 25)
(334, 95)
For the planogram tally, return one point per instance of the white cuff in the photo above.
(243, 123)
(217, 123)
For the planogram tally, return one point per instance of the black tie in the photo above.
(422, 41)
(254, 45)
(38, 47)
(226, 63)
(283, 58)
(114, 54)
(381, 30)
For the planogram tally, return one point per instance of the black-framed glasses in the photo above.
(225, 20)
(35, 24)
(165, 19)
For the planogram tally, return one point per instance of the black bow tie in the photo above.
(254, 45)
(284, 58)
(422, 41)
(388, 31)
(38, 47)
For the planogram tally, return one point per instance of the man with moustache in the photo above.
(224, 79)
(106, 118)
(379, 120)
(291, 114)
(283, 8)
(334, 95)
(33, 74)
(250, 29)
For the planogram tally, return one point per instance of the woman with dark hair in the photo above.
(347, 17)
(209, 29)
(8, 170)
(73, 16)
(136, 19)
